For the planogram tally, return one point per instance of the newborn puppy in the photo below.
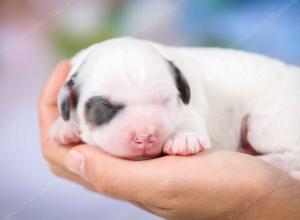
(135, 99)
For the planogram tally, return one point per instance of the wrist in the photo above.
(278, 200)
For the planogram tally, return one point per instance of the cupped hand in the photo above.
(211, 185)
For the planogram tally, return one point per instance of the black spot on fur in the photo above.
(99, 111)
(181, 83)
(70, 83)
(69, 102)
(65, 109)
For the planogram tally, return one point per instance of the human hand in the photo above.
(211, 185)
(48, 113)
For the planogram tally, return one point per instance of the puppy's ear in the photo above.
(67, 99)
(68, 96)
(181, 84)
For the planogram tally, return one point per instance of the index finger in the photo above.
(48, 113)
(47, 104)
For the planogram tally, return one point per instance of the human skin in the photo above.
(214, 184)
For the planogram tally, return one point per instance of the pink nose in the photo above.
(144, 141)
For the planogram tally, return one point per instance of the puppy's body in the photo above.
(233, 86)
(225, 95)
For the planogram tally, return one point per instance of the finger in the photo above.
(48, 112)
(142, 206)
(115, 177)
(54, 153)
(61, 172)
(54, 83)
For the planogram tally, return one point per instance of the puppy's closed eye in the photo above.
(99, 110)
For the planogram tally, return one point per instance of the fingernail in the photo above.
(74, 161)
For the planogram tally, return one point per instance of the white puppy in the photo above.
(135, 99)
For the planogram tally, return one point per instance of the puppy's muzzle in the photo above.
(144, 141)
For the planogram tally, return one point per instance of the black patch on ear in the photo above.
(99, 111)
(181, 83)
(69, 102)
(66, 109)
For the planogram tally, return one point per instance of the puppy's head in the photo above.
(125, 97)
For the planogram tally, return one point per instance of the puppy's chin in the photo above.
(142, 157)
(129, 153)
(143, 154)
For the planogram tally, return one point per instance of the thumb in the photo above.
(112, 176)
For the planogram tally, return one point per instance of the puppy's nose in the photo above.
(144, 140)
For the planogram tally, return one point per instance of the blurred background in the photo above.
(36, 34)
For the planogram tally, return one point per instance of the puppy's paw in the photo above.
(64, 133)
(184, 143)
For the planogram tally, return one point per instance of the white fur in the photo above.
(226, 85)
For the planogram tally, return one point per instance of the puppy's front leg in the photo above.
(64, 132)
(190, 136)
